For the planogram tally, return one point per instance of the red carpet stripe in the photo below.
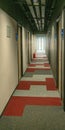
(33, 65)
(25, 85)
(45, 65)
(34, 69)
(16, 105)
(50, 82)
(30, 70)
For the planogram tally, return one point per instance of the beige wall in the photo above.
(8, 59)
(30, 47)
(34, 44)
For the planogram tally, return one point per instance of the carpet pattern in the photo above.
(36, 102)
(36, 118)
(39, 72)
(37, 87)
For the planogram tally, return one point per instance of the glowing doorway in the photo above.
(40, 46)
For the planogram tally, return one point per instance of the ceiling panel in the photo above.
(43, 1)
(37, 11)
(37, 26)
(42, 26)
(40, 23)
(35, 21)
(32, 11)
(42, 20)
(35, 2)
(43, 11)
(23, 10)
(28, 2)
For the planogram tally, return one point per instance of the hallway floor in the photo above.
(36, 103)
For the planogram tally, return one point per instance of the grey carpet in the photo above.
(36, 118)
(28, 74)
(44, 72)
(38, 72)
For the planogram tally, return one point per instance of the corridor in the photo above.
(36, 102)
(32, 65)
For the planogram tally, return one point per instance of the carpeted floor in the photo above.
(35, 118)
(36, 102)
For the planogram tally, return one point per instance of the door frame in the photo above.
(57, 25)
(20, 53)
(64, 61)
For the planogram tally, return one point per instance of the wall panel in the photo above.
(8, 58)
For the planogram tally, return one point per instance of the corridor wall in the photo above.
(62, 60)
(33, 44)
(30, 46)
(48, 37)
(8, 58)
(55, 51)
(25, 48)
(19, 52)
